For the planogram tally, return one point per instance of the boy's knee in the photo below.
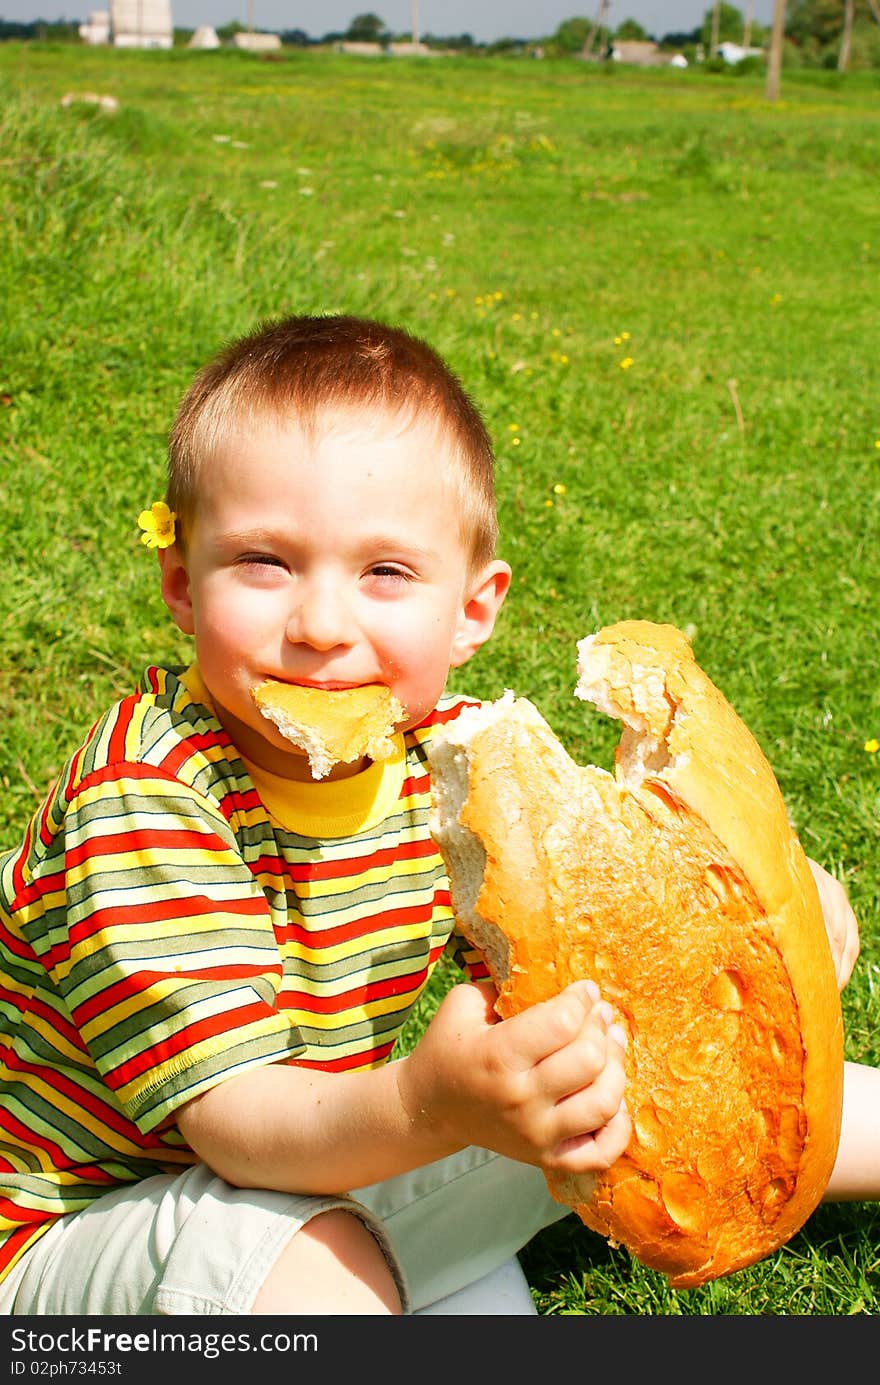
(334, 1265)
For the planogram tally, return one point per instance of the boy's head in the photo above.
(334, 484)
(305, 371)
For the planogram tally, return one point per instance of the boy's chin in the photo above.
(268, 749)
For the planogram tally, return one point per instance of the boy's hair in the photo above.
(297, 368)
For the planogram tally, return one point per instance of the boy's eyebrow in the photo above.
(391, 543)
(240, 536)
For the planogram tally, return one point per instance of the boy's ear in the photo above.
(483, 600)
(175, 587)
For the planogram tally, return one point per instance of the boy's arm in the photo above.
(296, 1130)
(856, 1173)
(544, 1087)
(840, 922)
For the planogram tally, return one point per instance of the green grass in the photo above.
(523, 217)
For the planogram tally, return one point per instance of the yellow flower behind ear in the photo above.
(158, 525)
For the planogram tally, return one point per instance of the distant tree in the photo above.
(572, 34)
(366, 28)
(722, 24)
(459, 42)
(680, 38)
(835, 32)
(817, 22)
(507, 44)
(58, 31)
(631, 30)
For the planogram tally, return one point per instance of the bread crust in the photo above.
(679, 885)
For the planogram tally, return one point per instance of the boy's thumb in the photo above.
(471, 1004)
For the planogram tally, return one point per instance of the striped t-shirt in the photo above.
(174, 916)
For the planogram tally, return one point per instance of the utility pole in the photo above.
(774, 61)
(846, 40)
(601, 18)
(747, 28)
(414, 14)
(716, 28)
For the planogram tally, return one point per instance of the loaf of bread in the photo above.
(333, 726)
(680, 887)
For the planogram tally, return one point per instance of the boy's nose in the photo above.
(320, 617)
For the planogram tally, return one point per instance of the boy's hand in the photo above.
(840, 922)
(544, 1087)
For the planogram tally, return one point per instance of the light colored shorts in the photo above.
(190, 1243)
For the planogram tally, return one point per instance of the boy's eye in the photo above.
(260, 560)
(388, 570)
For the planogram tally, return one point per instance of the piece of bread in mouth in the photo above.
(680, 887)
(332, 725)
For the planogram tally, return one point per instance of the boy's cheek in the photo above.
(233, 616)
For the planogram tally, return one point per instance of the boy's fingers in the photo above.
(533, 1035)
(591, 1057)
(595, 1102)
(593, 1153)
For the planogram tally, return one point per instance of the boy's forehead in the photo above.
(364, 425)
(366, 422)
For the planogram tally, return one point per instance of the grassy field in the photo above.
(663, 292)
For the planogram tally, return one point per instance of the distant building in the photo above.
(97, 30)
(362, 48)
(141, 23)
(257, 43)
(735, 53)
(205, 36)
(408, 49)
(645, 53)
(638, 52)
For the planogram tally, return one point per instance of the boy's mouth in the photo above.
(325, 684)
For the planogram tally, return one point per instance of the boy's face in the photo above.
(333, 561)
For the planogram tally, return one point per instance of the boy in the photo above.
(209, 955)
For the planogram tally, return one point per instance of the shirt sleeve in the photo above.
(162, 944)
(467, 958)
